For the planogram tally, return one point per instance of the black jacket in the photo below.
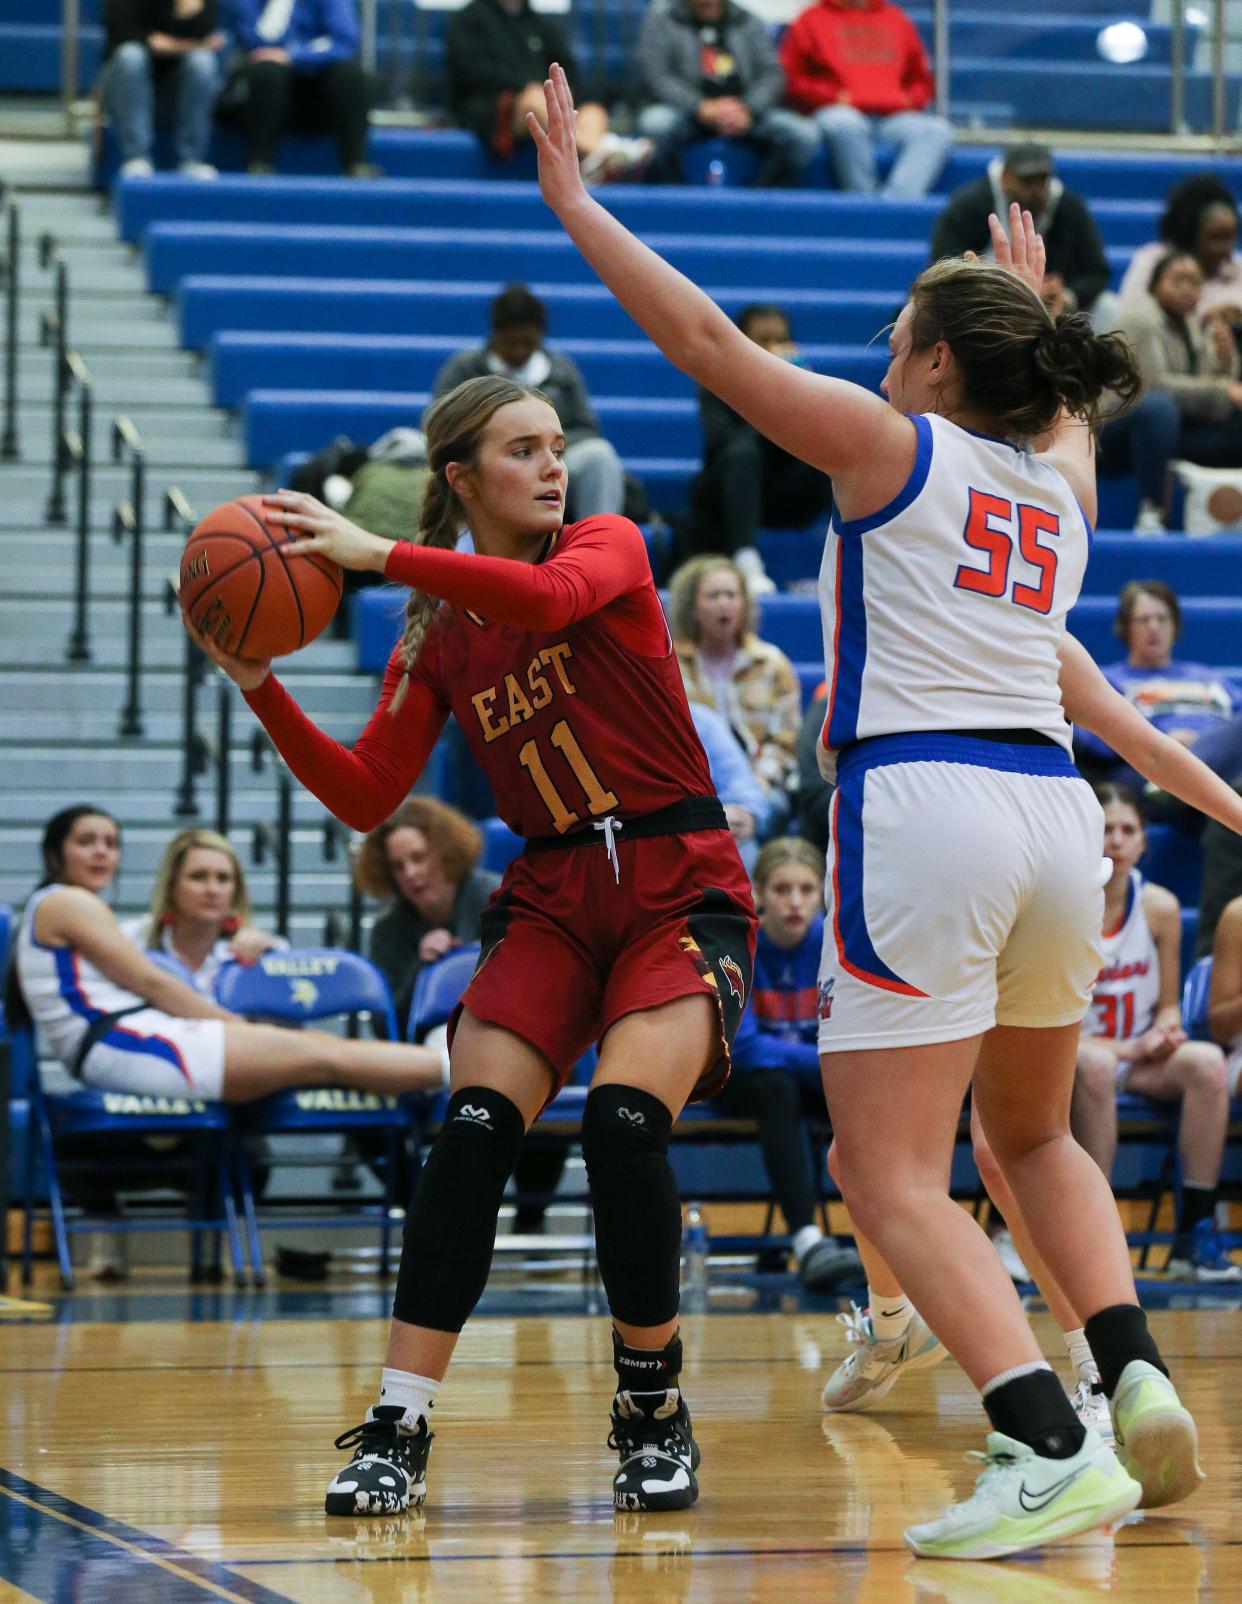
(1070, 235)
(490, 52)
(128, 20)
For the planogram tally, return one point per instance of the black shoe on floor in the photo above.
(388, 1472)
(828, 1265)
(652, 1434)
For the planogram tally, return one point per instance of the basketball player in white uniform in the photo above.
(965, 886)
(1133, 1040)
(120, 1022)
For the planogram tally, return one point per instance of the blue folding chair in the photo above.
(1195, 999)
(99, 1117)
(296, 987)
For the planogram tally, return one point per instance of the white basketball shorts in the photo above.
(964, 890)
(153, 1054)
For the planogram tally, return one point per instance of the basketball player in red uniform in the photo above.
(627, 920)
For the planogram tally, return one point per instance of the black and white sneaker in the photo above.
(388, 1472)
(651, 1432)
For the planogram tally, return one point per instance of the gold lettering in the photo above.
(519, 708)
(555, 656)
(195, 567)
(483, 700)
(540, 689)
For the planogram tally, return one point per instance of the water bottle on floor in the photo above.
(695, 1247)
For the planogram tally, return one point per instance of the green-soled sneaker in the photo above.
(1023, 1500)
(1156, 1437)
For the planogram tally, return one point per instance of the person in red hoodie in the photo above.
(858, 68)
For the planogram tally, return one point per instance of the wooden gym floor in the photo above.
(155, 1459)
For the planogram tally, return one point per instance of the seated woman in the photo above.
(200, 909)
(120, 1022)
(776, 1076)
(1225, 996)
(727, 667)
(424, 861)
(1133, 1040)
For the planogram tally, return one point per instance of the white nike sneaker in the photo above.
(871, 1368)
(1091, 1407)
(1023, 1500)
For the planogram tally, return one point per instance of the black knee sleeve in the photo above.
(625, 1135)
(450, 1228)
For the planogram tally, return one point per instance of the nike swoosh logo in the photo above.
(1032, 1505)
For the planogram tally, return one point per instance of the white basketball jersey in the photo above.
(945, 610)
(1125, 997)
(63, 991)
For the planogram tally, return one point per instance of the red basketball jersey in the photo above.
(576, 722)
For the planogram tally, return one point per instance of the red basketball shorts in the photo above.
(568, 949)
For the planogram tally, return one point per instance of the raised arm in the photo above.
(1091, 701)
(606, 559)
(836, 426)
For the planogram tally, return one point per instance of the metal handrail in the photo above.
(70, 56)
(277, 840)
(940, 54)
(9, 448)
(193, 753)
(78, 446)
(129, 517)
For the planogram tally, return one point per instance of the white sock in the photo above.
(805, 1239)
(415, 1394)
(1081, 1357)
(890, 1317)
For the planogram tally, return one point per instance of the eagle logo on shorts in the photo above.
(825, 997)
(304, 992)
(732, 971)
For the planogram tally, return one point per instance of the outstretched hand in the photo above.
(319, 529)
(1021, 249)
(245, 673)
(560, 182)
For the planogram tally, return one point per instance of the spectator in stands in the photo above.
(120, 1022)
(515, 350)
(746, 481)
(425, 861)
(1133, 1041)
(858, 68)
(814, 794)
(1200, 219)
(200, 909)
(1078, 272)
(746, 803)
(726, 666)
(1192, 359)
(160, 64)
(776, 1079)
(1192, 702)
(497, 55)
(300, 71)
(709, 69)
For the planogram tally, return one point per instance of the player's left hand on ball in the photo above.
(560, 182)
(317, 528)
(244, 673)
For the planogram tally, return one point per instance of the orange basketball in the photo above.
(241, 586)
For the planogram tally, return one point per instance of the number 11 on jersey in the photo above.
(599, 800)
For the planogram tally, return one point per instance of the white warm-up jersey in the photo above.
(1127, 993)
(945, 610)
(63, 991)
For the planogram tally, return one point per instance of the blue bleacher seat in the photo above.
(1210, 628)
(500, 845)
(1174, 859)
(1211, 568)
(296, 987)
(1195, 999)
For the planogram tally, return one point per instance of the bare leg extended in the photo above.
(259, 1059)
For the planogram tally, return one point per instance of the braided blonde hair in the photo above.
(453, 428)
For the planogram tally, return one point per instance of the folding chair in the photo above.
(296, 987)
(89, 1113)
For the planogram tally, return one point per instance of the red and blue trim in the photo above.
(849, 631)
(935, 746)
(855, 951)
